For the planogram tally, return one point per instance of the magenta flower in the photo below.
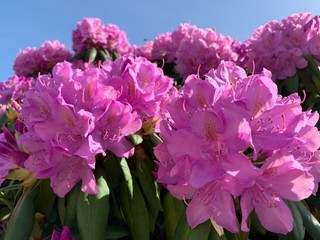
(230, 135)
(91, 32)
(141, 84)
(32, 61)
(282, 46)
(64, 235)
(10, 154)
(282, 178)
(14, 88)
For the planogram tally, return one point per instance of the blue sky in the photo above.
(28, 23)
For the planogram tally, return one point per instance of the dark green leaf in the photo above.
(104, 54)
(22, 219)
(135, 211)
(4, 213)
(309, 221)
(127, 174)
(91, 55)
(185, 232)
(113, 171)
(93, 211)
(71, 200)
(116, 231)
(298, 231)
(172, 210)
(292, 83)
(144, 169)
(45, 198)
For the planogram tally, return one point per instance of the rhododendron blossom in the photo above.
(32, 61)
(74, 115)
(282, 47)
(231, 135)
(92, 33)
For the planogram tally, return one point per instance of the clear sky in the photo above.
(28, 23)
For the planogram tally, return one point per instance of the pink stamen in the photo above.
(198, 71)
(304, 96)
(253, 67)
(163, 62)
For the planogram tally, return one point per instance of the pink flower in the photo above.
(10, 154)
(64, 235)
(74, 115)
(32, 61)
(282, 46)
(14, 88)
(282, 177)
(230, 135)
(91, 32)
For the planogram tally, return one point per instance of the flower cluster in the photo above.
(76, 114)
(282, 46)
(91, 33)
(32, 61)
(193, 48)
(14, 88)
(231, 136)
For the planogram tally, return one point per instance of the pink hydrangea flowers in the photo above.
(231, 135)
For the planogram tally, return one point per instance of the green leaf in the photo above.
(149, 189)
(45, 198)
(91, 55)
(310, 77)
(93, 211)
(104, 54)
(309, 221)
(116, 231)
(136, 139)
(135, 211)
(292, 84)
(4, 213)
(8, 203)
(22, 219)
(185, 232)
(298, 231)
(230, 236)
(71, 200)
(115, 55)
(113, 170)
(127, 174)
(172, 210)
(255, 222)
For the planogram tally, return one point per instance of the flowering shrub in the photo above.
(243, 141)
(190, 136)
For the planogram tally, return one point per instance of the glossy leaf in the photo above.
(292, 83)
(93, 211)
(113, 171)
(22, 219)
(71, 199)
(172, 210)
(45, 198)
(127, 175)
(298, 231)
(309, 221)
(149, 189)
(135, 211)
(185, 232)
(91, 55)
